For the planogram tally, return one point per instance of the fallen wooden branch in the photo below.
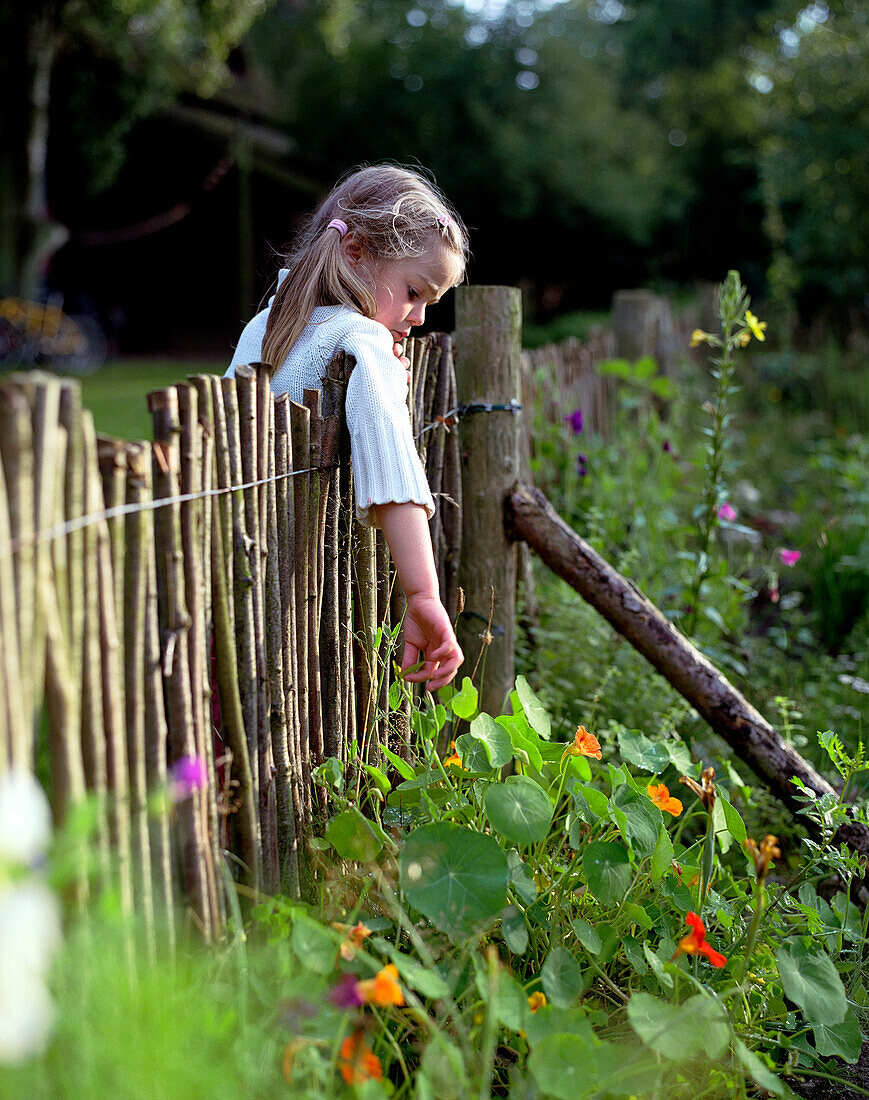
(531, 518)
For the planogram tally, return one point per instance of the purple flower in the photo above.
(344, 994)
(188, 775)
(727, 512)
(790, 557)
(575, 421)
(667, 445)
(580, 465)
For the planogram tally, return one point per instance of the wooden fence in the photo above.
(199, 614)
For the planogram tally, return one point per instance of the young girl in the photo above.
(384, 245)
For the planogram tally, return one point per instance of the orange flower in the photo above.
(660, 795)
(536, 1000)
(764, 854)
(695, 942)
(382, 989)
(358, 1062)
(705, 789)
(454, 759)
(353, 938)
(584, 744)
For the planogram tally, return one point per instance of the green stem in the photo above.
(708, 862)
(831, 1077)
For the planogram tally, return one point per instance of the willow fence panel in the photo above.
(198, 621)
(194, 622)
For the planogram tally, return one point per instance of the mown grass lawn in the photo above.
(117, 394)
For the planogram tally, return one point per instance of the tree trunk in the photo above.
(529, 516)
(30, 236)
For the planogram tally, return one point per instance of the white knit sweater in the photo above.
(386, 466)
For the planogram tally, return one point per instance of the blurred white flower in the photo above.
(29, 928)
(25, 817)
(27, 1015)
(30, 923)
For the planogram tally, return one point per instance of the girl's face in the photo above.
(404, 288)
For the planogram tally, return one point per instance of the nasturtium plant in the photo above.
(607, 870)
(696, 1028)
(455, 876)
(353, 836)
(562, 977)
(519, 809)
(810, 979)
(533, 709)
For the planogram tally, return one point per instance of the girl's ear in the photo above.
(352, 249)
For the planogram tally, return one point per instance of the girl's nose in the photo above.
(417, 314)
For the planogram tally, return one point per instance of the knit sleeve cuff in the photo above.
(387, 468)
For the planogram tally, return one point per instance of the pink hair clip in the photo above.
(336, 223)
(444, 220)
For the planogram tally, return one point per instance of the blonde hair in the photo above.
(394, 213)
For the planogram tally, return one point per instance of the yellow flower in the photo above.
(698, 336)
(744, 339)
(536, 1000)
(757, 327)
(584, 744)
(660, 795)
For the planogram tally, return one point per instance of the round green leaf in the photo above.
(639, 821)
(352, 837)
(314, 946)
(698, 1027)
(562, 978)
(472, 754)
(844, 1040)
(537, 717)
(495, 739)
(561, 1063)
(424, 980)
(454, 876)
(464, 702)
(587, 935)
(810, 979)
(514, 930)
(607, 871)
(519, 809)
(444, 1068)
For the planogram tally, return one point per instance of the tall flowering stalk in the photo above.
(738, 326)
(763, 854)
(705, 791)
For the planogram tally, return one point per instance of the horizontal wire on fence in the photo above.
(451, 418)
(48, 534)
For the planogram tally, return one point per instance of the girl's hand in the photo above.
(428, 630)
(398, 352)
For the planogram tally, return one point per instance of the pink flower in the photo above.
(188, 775)
(345, 994)
(727, 512)
(575, 421)
(790, 557)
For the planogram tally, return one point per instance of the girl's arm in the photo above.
(427, 625)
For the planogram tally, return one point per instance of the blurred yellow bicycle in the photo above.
(40, 333)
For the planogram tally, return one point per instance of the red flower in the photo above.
(695, 942)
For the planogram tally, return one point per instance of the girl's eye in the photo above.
(412, 294)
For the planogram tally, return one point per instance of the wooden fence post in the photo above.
(488, 372)
(643, 325)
